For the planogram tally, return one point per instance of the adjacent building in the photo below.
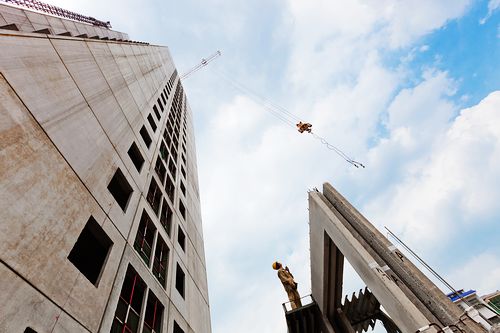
(99, 204)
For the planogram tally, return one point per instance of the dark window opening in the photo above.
(29, 330)
(170, 188)
(153, 315)
(129, 304)
(163, 152)
(183, 188)
(157, 114)
(179, 280)
(169, 127)
(135, 155)
(183, 157)
(172, 168)
(181, 238)
(144, 239)
(90, 251)
(166, 217)
(182, 209)
(145, 136)
(183, 171)
(120, 188)
(174, 138)
(160, 262)
(163, 98)
(154, 195)
(177, 328)
(160, 169)
(152, 122)
(161, 105)
(174, 154)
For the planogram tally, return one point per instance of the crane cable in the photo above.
(282, 114)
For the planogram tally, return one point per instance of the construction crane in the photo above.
(203, 63)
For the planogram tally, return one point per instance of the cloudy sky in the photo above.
(411, 88)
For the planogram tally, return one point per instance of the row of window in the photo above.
(153, 250)
(130, 304)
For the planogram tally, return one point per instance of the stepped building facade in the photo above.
(100, 223)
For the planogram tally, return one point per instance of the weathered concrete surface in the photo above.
(323, 222)
(411, 277)
(81, 105)
(44, 208)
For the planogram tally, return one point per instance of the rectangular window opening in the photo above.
(170, 188)
(160, 169)
(183, 188)
(163, 98)
(152, 122)
(145, 136)
(120, 188)
(153, 315)
(181, 238)
(135, 155)
(90, 252)
(172, 168)
(179, 280)
(177, 328)
(129, 306)
(154, 196)
(144, 238)
(182, 209)
(166, 217)
(157, 114)
(160, 262)
(161, 105)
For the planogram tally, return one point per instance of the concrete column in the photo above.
(423, 288)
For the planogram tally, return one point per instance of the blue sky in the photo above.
(410, 88)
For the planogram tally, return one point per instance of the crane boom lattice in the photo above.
(202, 63)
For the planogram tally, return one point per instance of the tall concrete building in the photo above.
(99, 204)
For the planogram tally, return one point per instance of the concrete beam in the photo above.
(323, 220)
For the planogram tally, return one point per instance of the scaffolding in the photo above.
(57, 11)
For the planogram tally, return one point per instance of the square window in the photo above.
(181, 238)
(179, 280)
(152, 122)
(120, 189)
(145, 136)
(135, 155)
(90, 251)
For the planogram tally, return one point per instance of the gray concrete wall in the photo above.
(69, 110)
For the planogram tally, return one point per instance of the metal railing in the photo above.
(57, 11)
(305, 300)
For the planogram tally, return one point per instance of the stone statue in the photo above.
(289, 283)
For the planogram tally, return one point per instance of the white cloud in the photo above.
(493, 5)
(481, 273)
(454, 184)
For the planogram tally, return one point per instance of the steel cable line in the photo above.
(282, 114)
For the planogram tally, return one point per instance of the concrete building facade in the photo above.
(99, 204)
